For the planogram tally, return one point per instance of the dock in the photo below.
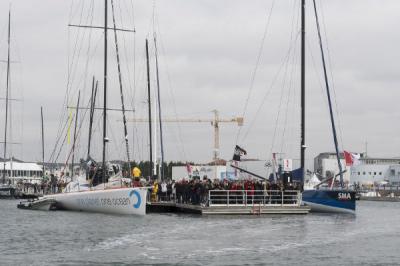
(227, 202)
(380, 198)
(172, 207)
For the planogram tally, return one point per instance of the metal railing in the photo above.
(254, 197)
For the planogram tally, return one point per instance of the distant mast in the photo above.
(41, 118)
(7, 92)
(159, 112)
(91, 114)
(149, 107)
(303, 60)
(105, 94)
(74, 143)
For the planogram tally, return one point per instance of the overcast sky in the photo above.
(208, 52)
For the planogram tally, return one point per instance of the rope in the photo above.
(333, 87)
(274, 80)
(253, 75)
(171, 91)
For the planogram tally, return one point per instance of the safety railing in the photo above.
(254, 197)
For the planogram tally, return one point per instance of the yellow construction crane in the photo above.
(214, 122)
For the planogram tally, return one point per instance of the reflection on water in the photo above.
(73, 238)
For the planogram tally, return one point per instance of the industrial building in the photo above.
(366, 171)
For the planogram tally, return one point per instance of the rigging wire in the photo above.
(131, 84)
(66, 96)
(91, 11)
(72, 64)
(317, 75)
(69, 70)
(331, 74)
(254, 73)
(171, 90)
(78, 133)
(328, 94)
(280, 104)
(120, 86)
(290, 93)
(295, 19)
(268, 91)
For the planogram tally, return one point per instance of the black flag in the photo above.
(238, 152)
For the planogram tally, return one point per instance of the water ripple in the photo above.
(72, 238)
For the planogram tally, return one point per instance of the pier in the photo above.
(237, 202)
(381, 193)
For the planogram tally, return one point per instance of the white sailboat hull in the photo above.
(113, 201)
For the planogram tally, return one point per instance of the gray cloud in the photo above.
(209, 50)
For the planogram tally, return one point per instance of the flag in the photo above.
(238, 152)
(351, 158)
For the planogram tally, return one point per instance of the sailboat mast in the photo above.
(92, 105)
(155, 134)
(329, 97)
(76, 124)
(303, 73)
(149, 105)
(41, 116)
(159, 112)
(7, 91)
(105, 94)
(121, 90)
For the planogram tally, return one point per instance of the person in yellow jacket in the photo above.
(136, 172)
(154, 191)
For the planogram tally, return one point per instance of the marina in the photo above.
(223, 133)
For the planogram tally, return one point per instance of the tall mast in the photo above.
(7, 91)
(329, 97)
(159, 112)
(155, 134)
(121, 90)
(41, 116)
(105, 94)
(149, 105)
(92, 105)
(76, 124)
(303, 59)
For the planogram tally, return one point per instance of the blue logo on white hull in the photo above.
(139, 198)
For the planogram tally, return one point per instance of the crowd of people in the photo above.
(196, 191)
(48, 185)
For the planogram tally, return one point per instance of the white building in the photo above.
(369, 174)
(394, 175)
(16, 171)
(367, 171)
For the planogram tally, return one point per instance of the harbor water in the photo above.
(372, 237)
